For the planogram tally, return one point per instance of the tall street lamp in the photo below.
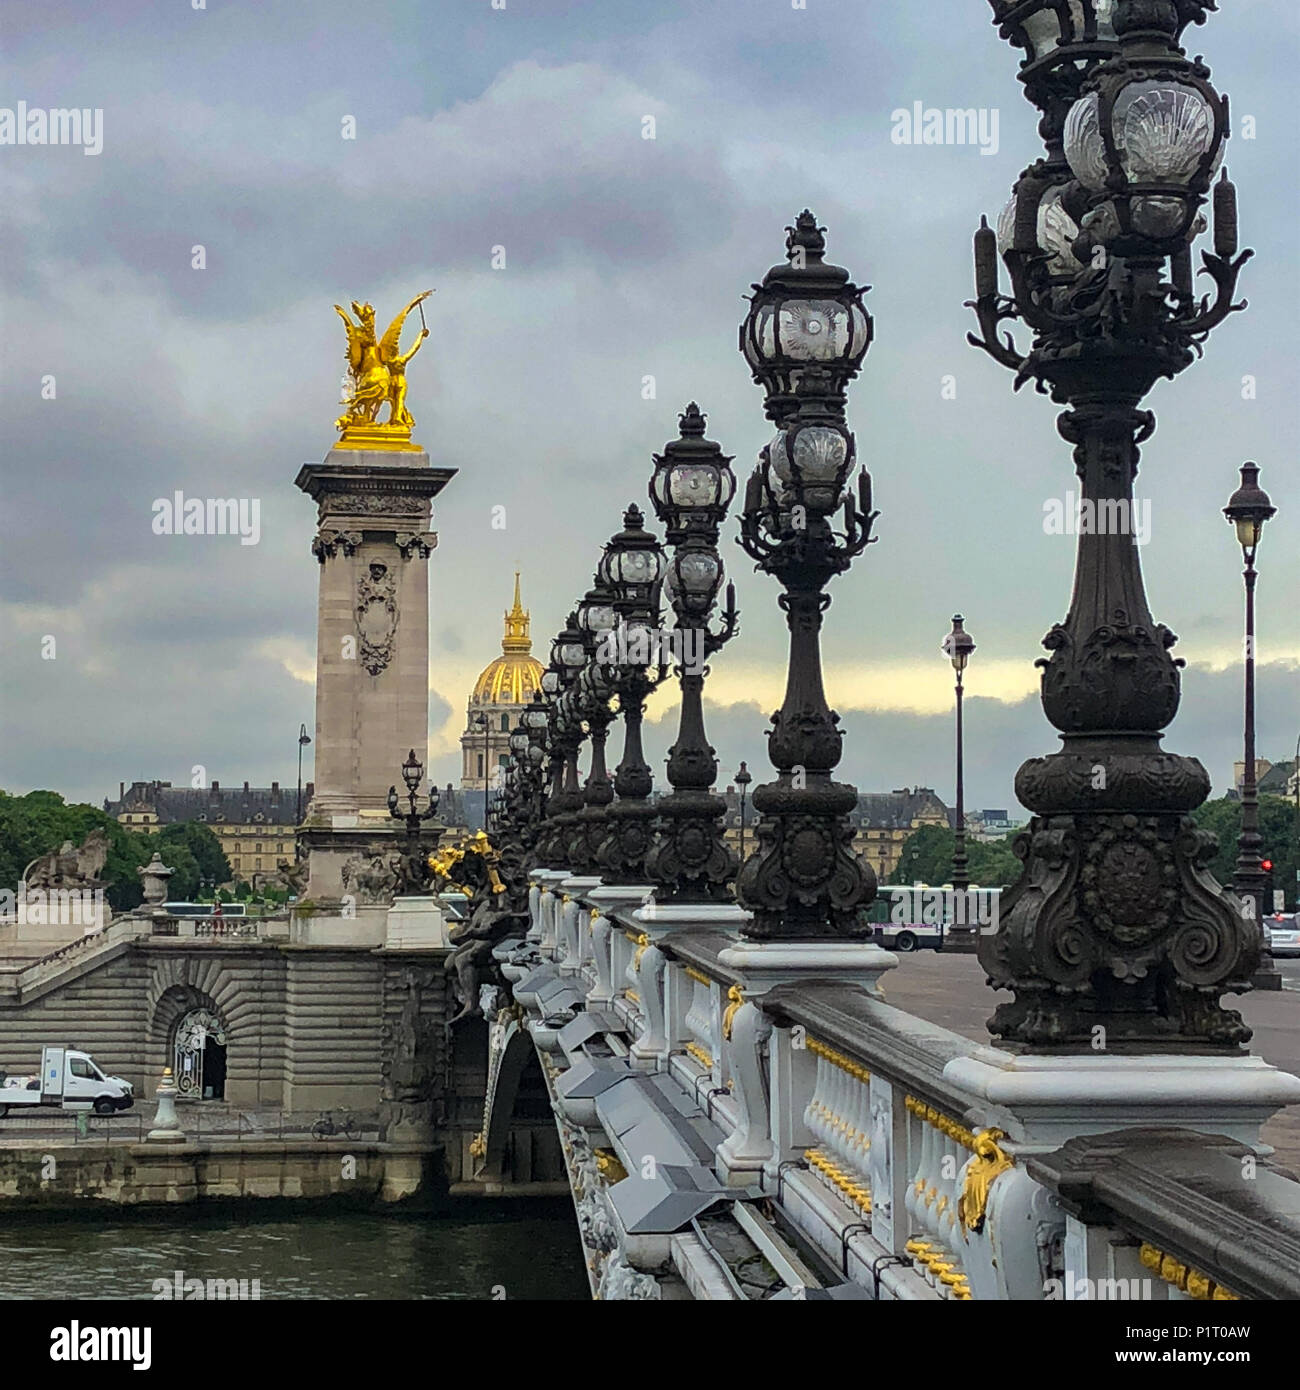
(304, 738)
(958, 646)
(691, 489)
(631, 568)
(1115, 924)
(742, 779)
(804, 338)
(1248, 509)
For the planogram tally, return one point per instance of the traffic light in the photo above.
(1267, 866)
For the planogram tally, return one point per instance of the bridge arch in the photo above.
(516, 1054)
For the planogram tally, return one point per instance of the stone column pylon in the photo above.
(374, 508)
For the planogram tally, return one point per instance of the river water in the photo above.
(479, 1251)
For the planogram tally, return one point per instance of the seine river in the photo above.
(528, 1251)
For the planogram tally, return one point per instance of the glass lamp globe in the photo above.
(804, 312)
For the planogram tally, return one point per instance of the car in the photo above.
(1283, 934)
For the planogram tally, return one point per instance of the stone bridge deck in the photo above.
(746, 1123)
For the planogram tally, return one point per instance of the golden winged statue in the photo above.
(378, 370)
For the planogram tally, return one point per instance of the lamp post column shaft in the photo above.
(1249, 878)
(960, 875)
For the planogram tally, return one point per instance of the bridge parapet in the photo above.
(912, 1161)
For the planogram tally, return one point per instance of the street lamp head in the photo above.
(1145, 137)
(808, 462)
(304, 737)
(569, 652)
(692, 484)
(1249, 508)
(804, 312)
(392, 801)
(596, 614)
(632, 566)
(412, 771)
(534, 717)
(743, 776)
(958, 645)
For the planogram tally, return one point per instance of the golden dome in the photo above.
(515, 674)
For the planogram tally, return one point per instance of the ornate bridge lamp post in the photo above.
(596, 688)
(1248, 509)
(1115, 929)
(531, 760)
(691, 489)
(805, 336)
(631, 569)
(414, 874)
(567, 658)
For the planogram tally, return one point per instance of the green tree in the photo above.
(1278, 826)
(927, 858)
(40, 821)
(203, 847)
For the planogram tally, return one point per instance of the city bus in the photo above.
(911, 917)
(204, 909)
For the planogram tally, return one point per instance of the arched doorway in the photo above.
(199, 1056)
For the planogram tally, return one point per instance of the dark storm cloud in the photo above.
(626, 258)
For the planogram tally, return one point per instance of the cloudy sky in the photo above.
(522, 127)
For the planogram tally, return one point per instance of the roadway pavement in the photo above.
(949, 990)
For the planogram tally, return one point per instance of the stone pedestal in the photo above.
(416, 924)
(372, 647)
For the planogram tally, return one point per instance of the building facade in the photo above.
(255, 825)
(502, 692)
(881, 823)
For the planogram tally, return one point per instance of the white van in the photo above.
(68, 1080)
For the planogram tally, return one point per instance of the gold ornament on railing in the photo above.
(378, 369)
(989, 1163)
(735, 999)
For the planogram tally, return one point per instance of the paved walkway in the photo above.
(949, 990)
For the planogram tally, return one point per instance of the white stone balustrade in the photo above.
(879, 1134)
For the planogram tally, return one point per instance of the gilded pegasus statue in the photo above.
(378, 369)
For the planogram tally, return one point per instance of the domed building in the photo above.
(500, 695)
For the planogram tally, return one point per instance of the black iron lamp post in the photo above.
(1248, 509)
(1115, 923)
(304, 738)
(596, 619)
(414, 873)
(535, 723)
(804, 337)
(958, 646)
(569, 655)
(481, 721)
(691, 489)
(742, 779)
(631, 569)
